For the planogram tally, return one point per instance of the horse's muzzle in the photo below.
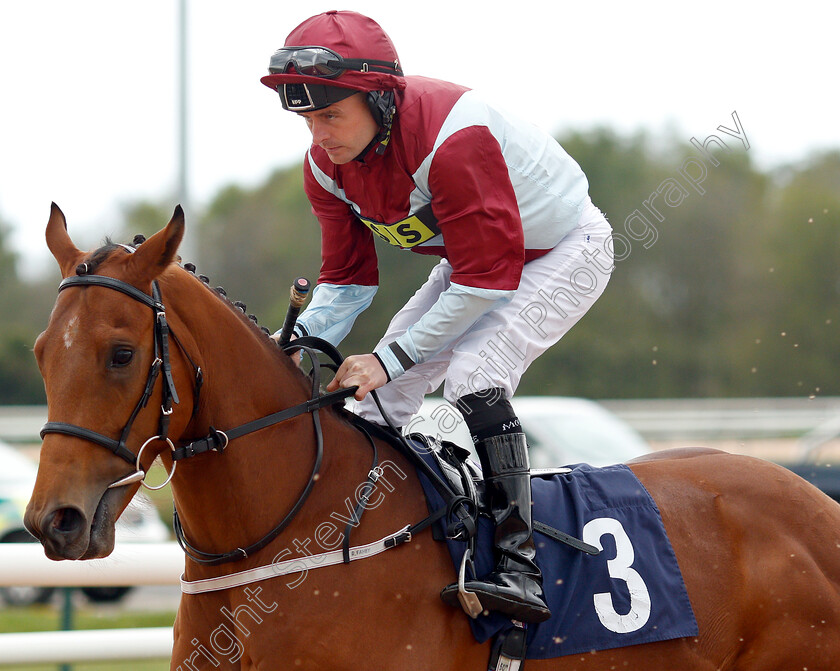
(67, 532)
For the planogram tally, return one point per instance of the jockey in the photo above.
(430, 167)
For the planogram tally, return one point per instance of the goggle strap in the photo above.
(365, 64)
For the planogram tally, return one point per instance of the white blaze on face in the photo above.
(70, 332)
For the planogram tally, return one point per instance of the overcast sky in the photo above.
(88, 89)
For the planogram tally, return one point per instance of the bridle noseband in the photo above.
(160, 363)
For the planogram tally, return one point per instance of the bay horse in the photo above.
(759, 548)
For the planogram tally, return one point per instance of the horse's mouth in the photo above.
(103, 525)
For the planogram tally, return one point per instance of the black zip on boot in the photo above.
(515, 585)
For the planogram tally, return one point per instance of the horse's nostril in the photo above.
(66, 521)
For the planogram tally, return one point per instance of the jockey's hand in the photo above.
(360, 370)
(296, 356)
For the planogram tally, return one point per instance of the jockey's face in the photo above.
(343, 129)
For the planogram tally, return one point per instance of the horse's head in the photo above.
(98, 356)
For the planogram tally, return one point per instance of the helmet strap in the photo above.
(383, 109)
(381, 105)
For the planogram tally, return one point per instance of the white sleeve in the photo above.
(455, 311)
(333, 310)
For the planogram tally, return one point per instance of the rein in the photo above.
(218, 440)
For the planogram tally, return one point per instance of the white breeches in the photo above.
(555, 291)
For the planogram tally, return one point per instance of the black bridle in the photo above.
(160, 363)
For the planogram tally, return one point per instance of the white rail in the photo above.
(655, 419)
(130, 564)
(25, 564)
(67, 647)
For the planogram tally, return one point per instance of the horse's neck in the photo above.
(233, 499)
(243, 371)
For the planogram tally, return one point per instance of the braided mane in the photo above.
(98, 256)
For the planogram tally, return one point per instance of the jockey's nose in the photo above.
(320, 132)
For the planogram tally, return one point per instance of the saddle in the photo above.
(465, 478)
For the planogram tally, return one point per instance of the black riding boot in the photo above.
(515, 585)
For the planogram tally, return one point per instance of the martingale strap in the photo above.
(212, 442)
(457, 506)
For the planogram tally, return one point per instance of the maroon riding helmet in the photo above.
(331, 56)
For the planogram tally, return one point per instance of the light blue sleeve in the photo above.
(455, 311)
(333, 310)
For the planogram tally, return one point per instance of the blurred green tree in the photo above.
(798, 351)
(20, 382)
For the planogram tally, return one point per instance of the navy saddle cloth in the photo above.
(631, 593)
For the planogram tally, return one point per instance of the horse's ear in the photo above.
(156, 253)
(60, 244)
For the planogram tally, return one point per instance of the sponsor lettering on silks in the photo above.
(418, 228)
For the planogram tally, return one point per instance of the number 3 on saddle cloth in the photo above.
(631, 593)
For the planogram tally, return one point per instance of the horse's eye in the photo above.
(121, 357)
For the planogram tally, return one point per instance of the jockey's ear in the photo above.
(156, 253)
(60, 244)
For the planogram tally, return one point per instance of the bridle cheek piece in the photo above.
(160, 363)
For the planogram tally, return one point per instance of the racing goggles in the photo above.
(323, 62)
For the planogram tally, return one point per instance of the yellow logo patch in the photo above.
(406, 233)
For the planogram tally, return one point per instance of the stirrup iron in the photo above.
(469, 600)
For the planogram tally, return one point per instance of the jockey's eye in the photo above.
(121, 357)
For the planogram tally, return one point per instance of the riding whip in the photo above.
(297, 297)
